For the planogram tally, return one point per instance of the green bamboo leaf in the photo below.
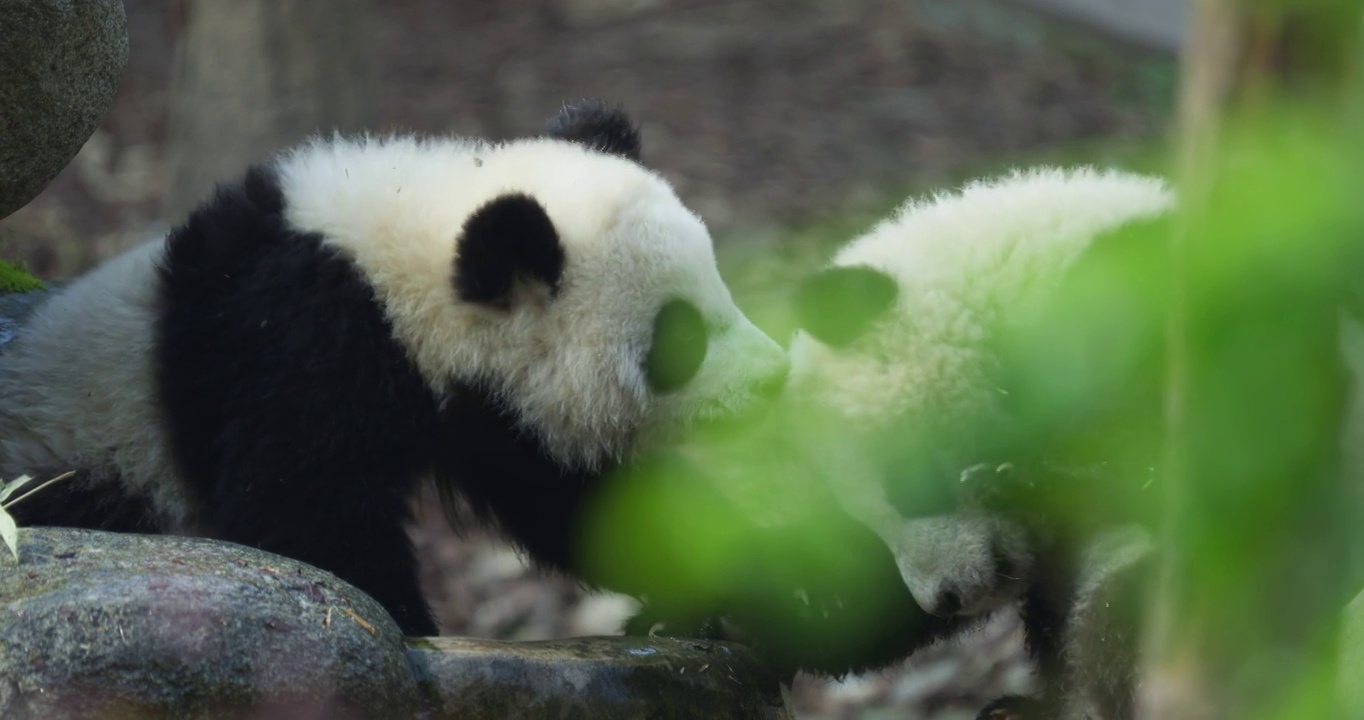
(9, 532)
(7, 489)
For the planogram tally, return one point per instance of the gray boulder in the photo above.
(615, 677)
(60, 63)
(103, 625)
(111, 625)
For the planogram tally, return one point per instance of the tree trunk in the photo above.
(253, 76)
(1246, 621)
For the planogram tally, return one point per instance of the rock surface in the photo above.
(62, 61)
(585, 678)
(112, 625)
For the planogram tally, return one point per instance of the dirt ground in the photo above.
(766, 115)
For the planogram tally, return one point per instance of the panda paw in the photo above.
(996, 487)
(649, 622)
(1016, 707)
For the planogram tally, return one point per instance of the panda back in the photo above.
(79, 377)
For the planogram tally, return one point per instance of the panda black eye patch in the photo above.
(838, 305)
(679, 346)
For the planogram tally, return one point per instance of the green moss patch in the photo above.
(15, 279)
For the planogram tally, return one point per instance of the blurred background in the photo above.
(790, 125)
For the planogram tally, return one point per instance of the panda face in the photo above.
(899, 358)
(684, 348)
(570, 282)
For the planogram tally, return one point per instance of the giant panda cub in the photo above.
(513, 320)
(983, 408)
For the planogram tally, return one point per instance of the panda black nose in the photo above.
(949, 603)
(771, 386)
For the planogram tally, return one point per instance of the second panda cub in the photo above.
(282, 370)
(1010, 329)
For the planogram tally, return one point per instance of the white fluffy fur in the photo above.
(958, 259)
(76, 387)
(572, 367)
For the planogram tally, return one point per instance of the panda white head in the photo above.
(557, 273)
(899, 347)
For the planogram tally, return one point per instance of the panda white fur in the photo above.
(904, 346)
(282, 369)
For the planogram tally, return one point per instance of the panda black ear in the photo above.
(509, 239)
(839, 304)
(598, 126)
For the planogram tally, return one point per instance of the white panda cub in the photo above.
(514, 320)
(914, 340)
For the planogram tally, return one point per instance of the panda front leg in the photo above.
(1100, 641)
(1023, 498)
(1082, 611)
(1045, 612)
(1046, 623)
(364, 544)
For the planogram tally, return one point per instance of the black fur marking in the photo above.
(510, 237)
(296, 418)
(505, 475)
(79, 502)
(679, 346)
(598, 126)
(1046, 604)
(839, 305)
